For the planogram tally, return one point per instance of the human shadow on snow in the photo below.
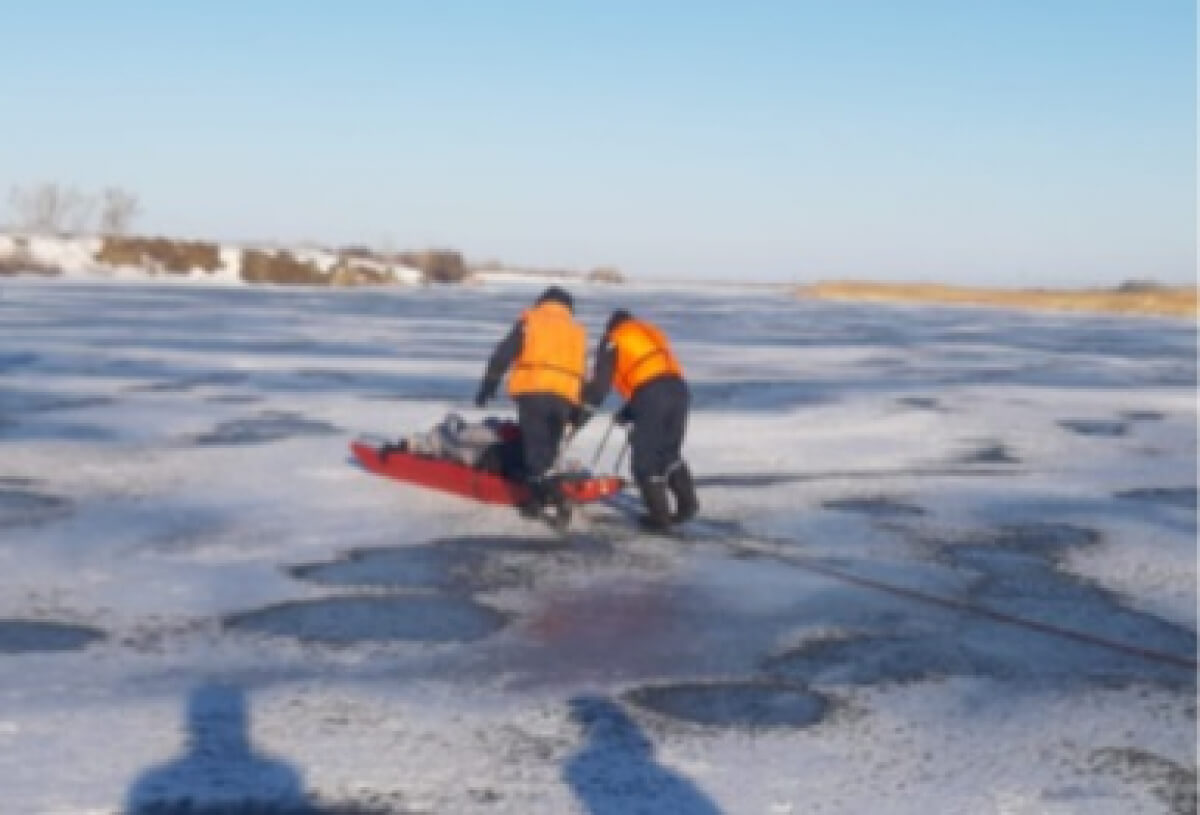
(221, 773)
(616, 773)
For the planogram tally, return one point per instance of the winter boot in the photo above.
(658, 512)
(538, 496)
(558, 508)
(680, 482)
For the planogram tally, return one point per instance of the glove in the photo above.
(580, 415)
(486, 391)
(624, 415)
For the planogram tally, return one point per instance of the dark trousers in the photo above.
(543, 417)
(660, 412)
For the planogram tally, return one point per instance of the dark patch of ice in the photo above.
(32, 636)
(16, 359)
(920, 402)
(1143, 415)
(1184, 497)
(374, 619)
(1018, 573)
(991, 454)
(188, 383)
(334, 376)
(1095, 427)
(1044, 537)
(268, 426)
(30, 428)
(234, 399)
(751, 704)
(17, 402)
(25, 507)
(880, 507)
(878, 660)
(188, 805)
(449, 564)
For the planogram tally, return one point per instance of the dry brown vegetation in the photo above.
(348, 273)
(21, 263)
(280, 267)
(177, 257)
(1142, 298)
(437, 265)
(606, 274)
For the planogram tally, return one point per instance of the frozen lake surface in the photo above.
(946, 562)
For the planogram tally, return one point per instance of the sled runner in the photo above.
(489, 488)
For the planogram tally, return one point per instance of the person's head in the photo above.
(557, 294)
(619, 316)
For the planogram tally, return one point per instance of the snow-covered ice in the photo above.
(946, 563)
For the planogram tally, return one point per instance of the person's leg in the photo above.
(542, 418)
(647, 443)
(679, 476)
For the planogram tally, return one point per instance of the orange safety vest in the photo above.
(553, 354)
(642, 354)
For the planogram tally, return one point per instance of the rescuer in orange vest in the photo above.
(545, 354)
(635, 357)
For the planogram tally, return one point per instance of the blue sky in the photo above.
(1010, 142)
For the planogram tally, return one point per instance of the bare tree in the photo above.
(117, 210)
(38, 209)
(51, 208)
(79, 211)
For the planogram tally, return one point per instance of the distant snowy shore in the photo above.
(83, 256)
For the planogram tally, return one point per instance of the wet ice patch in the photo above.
(187, 383)
(30, 636)
(234, 399)
(330, 375)
(752, 704)
(876, 506)
(920, 402)
(1184, 497)
(353, 620)
(268, 426)
(1143, 415)
(1095, 427)
(19, 402)
(393, 567)
(872, 660)
(451, 564)
(989, 454)
(751, 480)
(1018, 573)
(1036, 537)
(16, 359)
(21, 506)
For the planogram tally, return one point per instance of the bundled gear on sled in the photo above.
(483, 461)
(635, 357)
(493, 445)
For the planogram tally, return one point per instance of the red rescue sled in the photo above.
(450, 476)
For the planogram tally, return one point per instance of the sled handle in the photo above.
(603, 442)
(621, 455)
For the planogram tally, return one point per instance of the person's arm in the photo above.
(503, 356)
(596, 390)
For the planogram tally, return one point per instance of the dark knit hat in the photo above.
(619, 316)
(558, 295)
